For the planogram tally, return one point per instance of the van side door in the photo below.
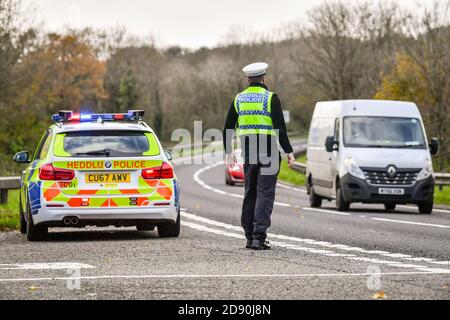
(334, 157)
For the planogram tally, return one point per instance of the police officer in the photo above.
(257, 116)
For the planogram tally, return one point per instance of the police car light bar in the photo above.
(70, 116)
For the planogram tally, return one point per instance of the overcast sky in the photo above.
(189, 23)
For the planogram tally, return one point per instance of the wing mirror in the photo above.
(22, 157)
(169, 155)
(434, 146)
(331, 145)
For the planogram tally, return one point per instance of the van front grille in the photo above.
(381, 177)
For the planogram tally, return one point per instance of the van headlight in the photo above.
(353, 168)
(426, 172)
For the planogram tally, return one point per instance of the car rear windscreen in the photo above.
(109, 144)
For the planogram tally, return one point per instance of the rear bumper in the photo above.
(357, 190)
(105, 216)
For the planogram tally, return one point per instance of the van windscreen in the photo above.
(383, 132)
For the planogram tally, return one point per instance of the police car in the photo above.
(98, 170)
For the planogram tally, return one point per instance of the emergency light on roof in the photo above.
(70, 116)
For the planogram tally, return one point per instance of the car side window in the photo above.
(44, 146)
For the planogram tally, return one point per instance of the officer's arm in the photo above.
(228, 131)
(280, 124)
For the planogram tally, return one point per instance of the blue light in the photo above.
(86, 117)
(57, 118)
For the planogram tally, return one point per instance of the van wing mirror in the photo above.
(434, 146)
(22, 157)
(331, 145)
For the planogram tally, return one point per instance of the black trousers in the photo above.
(259, 201)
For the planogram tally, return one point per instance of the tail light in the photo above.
(48, 172)
(163, 172)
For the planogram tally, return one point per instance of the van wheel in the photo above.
(426, 207)
(23, 222)
(390, 207)
(341, 204)
(315, 201)
(35, 233)
(170, 230)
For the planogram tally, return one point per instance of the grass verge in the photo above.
(291, 176)
(9, 213)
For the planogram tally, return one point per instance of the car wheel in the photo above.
(426, 208)
(315, 201)
(170, 230)
(35, 233)
(389, 207)
(341, 204)
(23, 222)
(145, 227)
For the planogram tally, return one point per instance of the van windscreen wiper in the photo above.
(105, 153)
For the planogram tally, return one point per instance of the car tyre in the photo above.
(315, 201)
(390, 207)
(35, 233)
(426, 208)
(170, 230)
(23, 222)
(341, 204)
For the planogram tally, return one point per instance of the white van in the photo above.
(370, 151)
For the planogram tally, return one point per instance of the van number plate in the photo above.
(391, 191)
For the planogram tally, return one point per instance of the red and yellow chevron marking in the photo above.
(147, 193)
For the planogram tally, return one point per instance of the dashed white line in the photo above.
(223, 276)
(412, 223)
(327, 211)
(45, 266)
(284, 186)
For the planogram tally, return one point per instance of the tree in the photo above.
(15, 38)
(62, 73)
(422, 71)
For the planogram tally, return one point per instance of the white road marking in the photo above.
(434, 210)
(326, 245)
(284, 186)
(412, 223)
(327, 211)
(45, 266)
(226, 276)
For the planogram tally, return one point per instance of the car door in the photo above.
(31, 187)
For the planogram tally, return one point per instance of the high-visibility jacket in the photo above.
(253, 107)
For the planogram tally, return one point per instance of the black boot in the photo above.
(249, 244)
(261, 245)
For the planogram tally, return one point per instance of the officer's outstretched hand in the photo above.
(291, 160)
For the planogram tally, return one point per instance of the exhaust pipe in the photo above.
(67, 221)
(74, 221)
(70, 221)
